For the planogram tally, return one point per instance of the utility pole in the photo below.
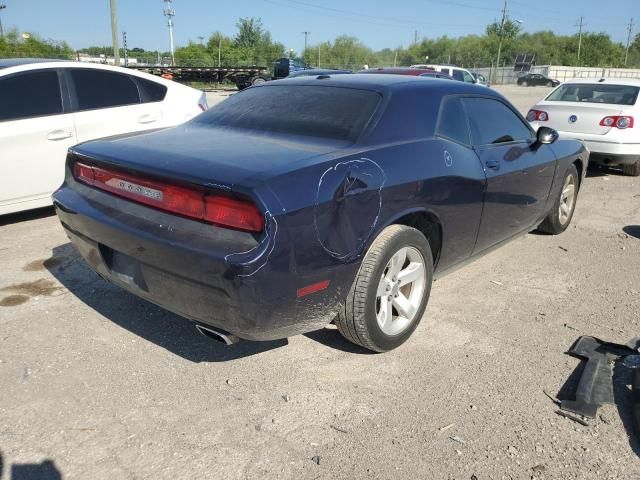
(114, 34)
(629, 30)
(201, 38)
(169, 12)
(580, 25)
(219, 50)
(124, 48)
(415, 37)
(504, 18)
(306, 36)
(318, 55)
(2, 7)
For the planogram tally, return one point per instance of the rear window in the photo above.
(595, 93)
(329, 112)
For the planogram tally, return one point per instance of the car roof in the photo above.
(635, 82)
(387, 83)
(14, 62)
(397, 70)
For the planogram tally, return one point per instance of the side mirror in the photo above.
(547, 135)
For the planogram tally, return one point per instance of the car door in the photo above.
(519, 170)
(109, 103)
(35, 133)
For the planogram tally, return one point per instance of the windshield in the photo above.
(595, 93)
(329, 112)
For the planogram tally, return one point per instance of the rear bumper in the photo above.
(607, 150)
(223, 278)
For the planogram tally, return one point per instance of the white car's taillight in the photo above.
(621, 122)
(537, 116)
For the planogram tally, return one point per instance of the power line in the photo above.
(376, 17)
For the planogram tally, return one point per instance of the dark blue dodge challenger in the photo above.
(300, 202)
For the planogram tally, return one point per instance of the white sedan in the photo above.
(48, 106)
(603, 113)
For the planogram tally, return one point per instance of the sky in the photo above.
(379, 24)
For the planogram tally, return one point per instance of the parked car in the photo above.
(481, 79)
(536, 79)
(436, 75)
(600, 112)
(265, 226)
(398, 71)
(317, 71)
(458, 73)
(48, 106)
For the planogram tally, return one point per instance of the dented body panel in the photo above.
(324, 201)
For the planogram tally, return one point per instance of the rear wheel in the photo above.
(257, 80)
(549, 84)
(560, 216)
(525, 84)
(390, 293)
(632, 170)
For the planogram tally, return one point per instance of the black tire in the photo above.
(357, 320)
(257, 80)
(549, 84)
(553, 223)
(524, 84)
(632, 170)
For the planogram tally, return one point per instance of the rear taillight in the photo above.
(537, 116)
(233, 213)
(621, 122)
(192, 203)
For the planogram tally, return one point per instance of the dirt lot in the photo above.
(97, 384)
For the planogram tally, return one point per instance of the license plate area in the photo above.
(123, 267)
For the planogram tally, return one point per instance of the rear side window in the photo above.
(457, 74)
(151, 91)
(595, 93)
(492, 122)
(30, 94)
(446, 71)
(329, 112)
(101, 89)
(452, 121)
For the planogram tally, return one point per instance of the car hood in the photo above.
(207, 156)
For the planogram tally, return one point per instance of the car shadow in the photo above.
(45, 470)
(332, 338)
(157, 325)
(596, 170)
(26, 216)
(632, 230)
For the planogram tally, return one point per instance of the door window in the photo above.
(30, 94)
(492, 122)
(446, 71)
(467, 77)
(452, 122)
(457, 74)
(102, 89)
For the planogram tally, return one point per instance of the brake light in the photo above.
(233, 213)
(621, 122)
(537, 116)
(188, 202)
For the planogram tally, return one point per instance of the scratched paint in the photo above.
(254, 259)
(348, 205)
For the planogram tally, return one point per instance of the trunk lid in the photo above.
(587, 116)
(209, 156)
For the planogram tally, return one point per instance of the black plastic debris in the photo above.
(595, 386)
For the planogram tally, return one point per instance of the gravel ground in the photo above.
(98, 384)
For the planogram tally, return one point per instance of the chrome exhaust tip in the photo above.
(218, 335)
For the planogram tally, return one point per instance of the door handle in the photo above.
(148, 118)
(59, 135)
(492, 164)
